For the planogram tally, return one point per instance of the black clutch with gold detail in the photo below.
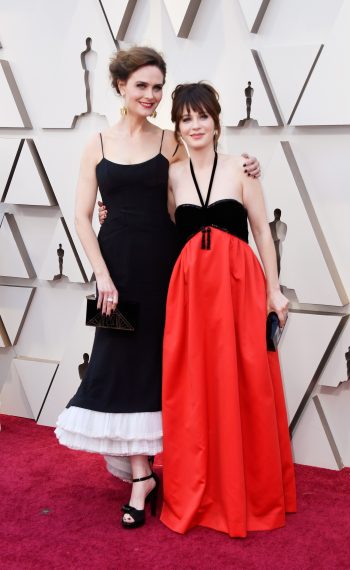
(123, 318)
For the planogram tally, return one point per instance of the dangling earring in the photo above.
(123, 109)
(154, 114)
(215, 140)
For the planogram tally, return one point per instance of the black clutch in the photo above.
(123, 318)
(273, 331)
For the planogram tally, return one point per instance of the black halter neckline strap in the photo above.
(205, 204)
(205, 229)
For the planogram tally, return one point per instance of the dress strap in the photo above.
(175, 151)
(204, 204)
(102, 145)
(161, 143)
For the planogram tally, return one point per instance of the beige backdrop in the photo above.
(296, 54)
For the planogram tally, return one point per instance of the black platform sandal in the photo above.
(125, 508)
(139, 514)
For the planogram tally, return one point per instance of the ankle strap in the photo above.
(143, 478)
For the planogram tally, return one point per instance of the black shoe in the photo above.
(125, 508)
(139, 514)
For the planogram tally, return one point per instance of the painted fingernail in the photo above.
(244, 164)
(245, 171)
(248, 174)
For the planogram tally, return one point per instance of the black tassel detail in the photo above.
(206, 238)
(203, 238)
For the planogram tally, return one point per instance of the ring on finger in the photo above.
(110, 299)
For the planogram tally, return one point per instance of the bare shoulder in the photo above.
(94, 141)
(176, 169)
(111, 131)
(232, 162)
(93, 149)
(169, 143)
(169, 137)
(172, 149)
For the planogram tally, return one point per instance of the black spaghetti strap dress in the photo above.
(117, 408)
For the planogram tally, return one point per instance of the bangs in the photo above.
(197, 97)
(195, 103)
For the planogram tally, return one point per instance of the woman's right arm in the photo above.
(84, 208)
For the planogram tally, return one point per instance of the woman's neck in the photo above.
(133, 124)
(202, 158)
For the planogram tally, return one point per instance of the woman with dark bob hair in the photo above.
(227, 457)
(117, 409)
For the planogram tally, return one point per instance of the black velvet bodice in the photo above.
(228, 215)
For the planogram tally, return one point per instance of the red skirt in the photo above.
(227, 455)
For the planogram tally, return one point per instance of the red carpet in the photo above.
(59, 509)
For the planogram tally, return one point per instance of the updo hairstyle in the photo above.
(125, 62)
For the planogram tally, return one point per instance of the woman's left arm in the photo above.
(253, 200)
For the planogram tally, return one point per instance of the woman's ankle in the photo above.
(140, 466)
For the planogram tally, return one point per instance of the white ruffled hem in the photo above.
(110, 434)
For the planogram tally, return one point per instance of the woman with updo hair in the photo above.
(117, 409)
(227, 461)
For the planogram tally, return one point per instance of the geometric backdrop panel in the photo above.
(299, 22)
(182, 14)
(337, 369)
(13, 397)
(37, 226)
(69, 374)
(84, 44)
(8, 150)
(14, 305)
(14, 259)
(288, 85)
(297, 61)
(29, 184)
(302, 346)
(51, 315)
(36, 377)
(336, 405)
(251, 10)
(326, 175)
(327, 95)
(310, 443)
(4, 339)
(304, 271)
(10, 117)
(118, 15)
(62, 261)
